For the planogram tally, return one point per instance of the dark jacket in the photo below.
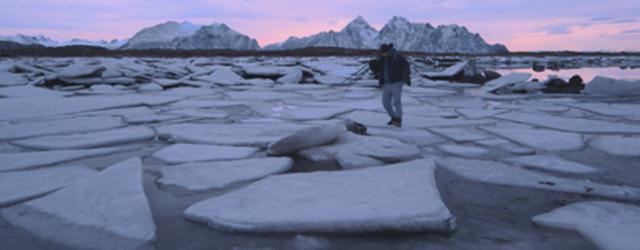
(399, 69)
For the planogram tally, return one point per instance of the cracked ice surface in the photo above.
(217, 119)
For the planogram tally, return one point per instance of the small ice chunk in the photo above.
(378, 148)
(401, 197)
(306, 138)
(181, 153)
(505, 81)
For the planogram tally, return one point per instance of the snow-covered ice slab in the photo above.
(108, 210)
(90, 140)
(609, 225)
(493, 172)
(80, 70)
(19, 186)
(571, 124)
(263, 95)
(609, 109)
(23, 108)
(306, 138)
(507, 146)
(378, 119)
(617, 145)
(461, 135)
(59, 126)
(217, 176)
(401, 197)
(505, 81)
(473, 113)
(11, 79)
(236, 134)
(540, 139)
(448, 72)
(281, 110)
(201, 113)
(554, 163)
(29, 91)
(181, 153)
(613, 87)
(416, 137)
(357, 151)
(464, 151)
(27, 160)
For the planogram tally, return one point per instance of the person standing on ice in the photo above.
(392, 71)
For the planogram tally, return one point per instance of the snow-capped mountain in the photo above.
(45, 41)
(28, 40)
(161, 36)
(173, 35)
(356, 35)
(406, 36)
(113, 44)
(216, 36)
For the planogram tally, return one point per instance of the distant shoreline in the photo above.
(14, 50)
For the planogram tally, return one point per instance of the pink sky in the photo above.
(521, 25)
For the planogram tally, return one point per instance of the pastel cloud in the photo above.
(520, 24)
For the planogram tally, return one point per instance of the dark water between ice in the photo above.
(587, 73)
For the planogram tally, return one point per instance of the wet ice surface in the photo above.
(501, 160)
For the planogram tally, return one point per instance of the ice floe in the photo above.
(464, 150)
(617, 145)
(108, 210)
(350, 149)
(237, 134)
(401, 197)
(378, 119)
(608, 225)
(461, 135)
(19, 186)
(493, 172)
(416, 137)
(571, 124)
(217, 176)
(90, 140)
(601, 85)
(23, 108)
(27, 160)
(540, 139)
(59, 126)
(181, 153)
(554, 164)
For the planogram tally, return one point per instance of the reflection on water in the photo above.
(587, 74)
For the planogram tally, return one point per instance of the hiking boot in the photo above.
(397, 123)
(391, 121)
